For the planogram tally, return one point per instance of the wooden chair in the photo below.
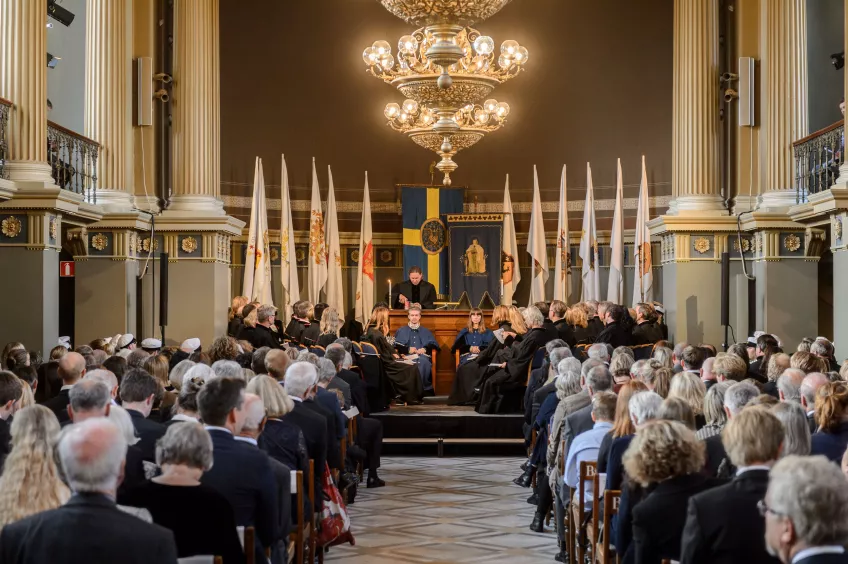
(368, 348)
(593, 525)
(249, 545)
(603, 552)
(588, 470)
(317, 350)
(357, 348)
(643, 352)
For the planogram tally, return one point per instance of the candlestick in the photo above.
(390, 293)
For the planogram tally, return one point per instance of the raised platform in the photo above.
(455, 429)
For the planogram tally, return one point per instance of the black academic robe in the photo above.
(403, 377)
(647, 333)
(565, 332)
(505, 381)
(616, 335)
(426, 294)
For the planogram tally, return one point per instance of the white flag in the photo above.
(562, 267)
(589, 245)
(644, 280)
(365, 270)
(335, 294)
(288, 262)
(257, 262)
(510, 274)
(316, 270)
(615, 289)
(536, 246)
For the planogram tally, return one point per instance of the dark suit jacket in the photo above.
(358, 391)
(811, 422)
(330, 401)
(133, 471)
(830, 444)
(5, 441)
(825, 559)
(523, 352)
(647, 332)
(314, 429)
(616, 335)
(721, 523)
(149, 432)
(59, 405)
(565, 332)
(715, 455)
(264, 337)
(659, 518)
(426, 297)
(334, 457)
(89, 528)
(576, 423)
(242, 473)
(595, 327)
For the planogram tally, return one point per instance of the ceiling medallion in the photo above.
(189, 245)
(792, 243)
(446, 72)
(702, 245)
(99, 241)
(11, 226)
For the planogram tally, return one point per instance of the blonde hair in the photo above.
(662, 381)
(157, 366)
(730, 366)
(252, 318)
(500, 315)
(330, 321)
(481, 328)
(236, 305)
(379, 320)
(754, 436)
(577, 316)
(30, 482)
(690, 389)
(623, 424)
(831, 405)
(661, 450)
(808, 362)
(274, 397)
(27, 397)
(516, 320)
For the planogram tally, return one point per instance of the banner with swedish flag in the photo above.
(425, 237)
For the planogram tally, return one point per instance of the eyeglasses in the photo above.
(763, 508)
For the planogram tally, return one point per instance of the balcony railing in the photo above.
(73, 160)
(5, 108)
(817, 160)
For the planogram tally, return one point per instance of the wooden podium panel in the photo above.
(445, 325)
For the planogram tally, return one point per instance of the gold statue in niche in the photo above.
(475, 258)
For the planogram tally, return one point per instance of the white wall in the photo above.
(66, 82)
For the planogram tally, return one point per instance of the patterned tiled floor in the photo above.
(445, 510)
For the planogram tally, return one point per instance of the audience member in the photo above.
(242, 475)
(714, 412)
(223, 348)
(736, 397)
(688, 387)
(643, 408)
(30, 482)
(721, 522)
(808, 391)
(806, 512)
(71, 369)
(107, 378)
(136, 358)
(676, 409)
(11, 391)
(178, 372)
(808, 362)
(92, 458)
(89, 398)
(257, 363)
(586, 445)
(185, 410)
(831, 411)
(796, 431)
(138, 392)
(789, 386)
(730, 367)
(778, 364)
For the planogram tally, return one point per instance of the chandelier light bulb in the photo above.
(410, 107)
(407, 45)
(387, 62)
(369, 56)
(504, 62)
(508, 47)
(468, 107)
(382, 48)
(392, 110)
(490, 105)
(481, 115)
(484, 45)
(503, 110)
(521, 55)
(403, 117)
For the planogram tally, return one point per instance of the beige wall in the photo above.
(787, 300)
(105, 298)
(30, 284)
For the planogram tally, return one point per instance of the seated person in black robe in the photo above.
(402, 376)
(468, 374)
(416, 290)
(302, 329)
(511, 374)
(617, 330)
(646, 330)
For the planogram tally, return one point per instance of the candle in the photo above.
(502, 293)
(390, 293)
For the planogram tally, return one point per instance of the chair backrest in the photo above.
(199, 560)
(368, 348)
(612, 499)
(356, 347)
(247, 535)
(588, 469)
(317, 350)
(643, 352)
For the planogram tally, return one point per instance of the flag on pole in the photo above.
(536, 246)
(335, 295)
(615, 288)
(288, 262)
(365, 268)
(510, 274)
(589, 245)
(644, 280)
(257, 262)
(316, 270)
(562, 266)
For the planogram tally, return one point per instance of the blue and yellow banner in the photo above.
(425, 236)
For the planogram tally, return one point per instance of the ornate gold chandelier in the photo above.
(446, 70)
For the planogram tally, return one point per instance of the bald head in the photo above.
(71, 368)
(105, 376)
(276, 362)
(707, 369)
(809, 386)
(789, 385)
(92, 455)
(254, 415)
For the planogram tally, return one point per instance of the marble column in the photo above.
(196, 105)
(108, 98)
(696, 183)
(783, 36)
(23, 81)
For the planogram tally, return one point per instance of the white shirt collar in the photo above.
(295, 398)
(214, 428)
(184, 417)
(742, 469)
(250, 440)
(807, 552)
(808, 413)
(66, 387)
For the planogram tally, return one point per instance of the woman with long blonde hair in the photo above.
(235, 320)
(402, 375)
(30, 482)
(474, 337)
(330, 325)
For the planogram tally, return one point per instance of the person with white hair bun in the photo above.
(201, 518)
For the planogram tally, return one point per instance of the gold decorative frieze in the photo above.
(746, 245)
(145, 245)
(791, 243)
(99, 241)
(702, 245)
(189, 245)
(11, 226)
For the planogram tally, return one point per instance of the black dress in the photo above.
(469, 376)
(202, 520)
(583, 335)
(327, 339)
(404, 377)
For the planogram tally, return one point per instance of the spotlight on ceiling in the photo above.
(52, 61)
(60, 14)
(838, 60)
